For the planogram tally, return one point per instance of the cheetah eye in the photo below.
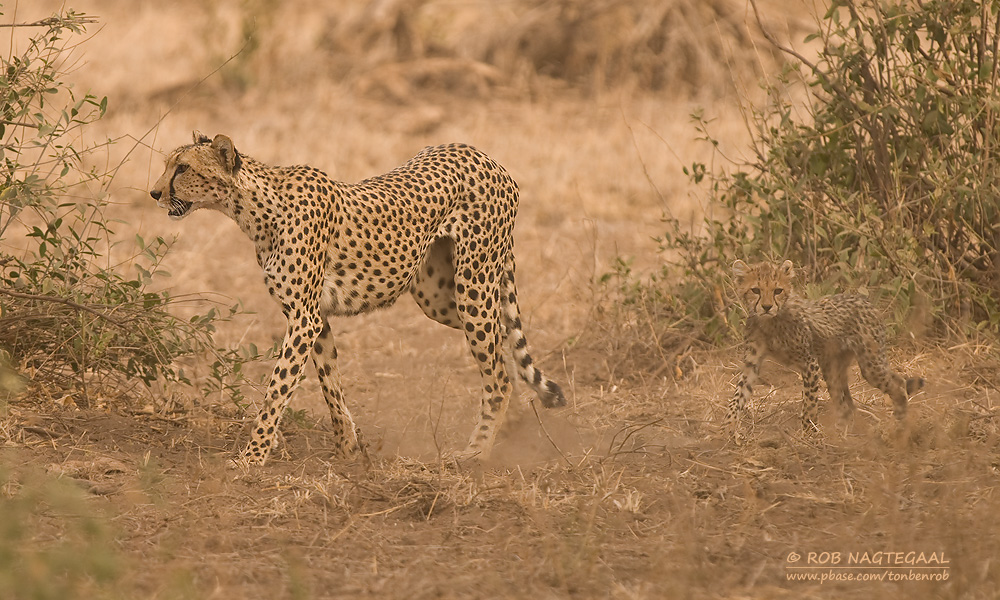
(181, 169)
(777, 291)
(755, 290)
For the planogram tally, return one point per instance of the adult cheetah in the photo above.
(440, 226)
(811, 336)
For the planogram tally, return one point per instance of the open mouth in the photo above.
(178, 208)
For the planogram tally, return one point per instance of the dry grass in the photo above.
(657, 504)
(631, 491)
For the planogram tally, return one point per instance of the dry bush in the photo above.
(639, 328)
(392, 48)
(71, 321)
(884, 181)
(686, 47)
(887, 182)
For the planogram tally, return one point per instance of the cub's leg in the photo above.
(752, 359)
(876, 370)
(835, 365)
(810, 394)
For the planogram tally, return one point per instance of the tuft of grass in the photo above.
(52, 545)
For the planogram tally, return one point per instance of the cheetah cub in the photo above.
(811, 336)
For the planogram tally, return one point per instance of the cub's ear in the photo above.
(227, 152)
(740, 270)
(200, 138)
(787, 269)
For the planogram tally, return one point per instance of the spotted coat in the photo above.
(825, 336)
(439, 227)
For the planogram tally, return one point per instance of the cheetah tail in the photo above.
(548, 391)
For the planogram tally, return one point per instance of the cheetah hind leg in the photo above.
(433, 289)
(876, 370)
(547, 390)
(835, 369)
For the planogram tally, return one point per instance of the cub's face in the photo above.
(200, 175)
(763, 288)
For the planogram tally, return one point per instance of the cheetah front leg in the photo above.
(303, 329)
(752, 359)
(346, 441)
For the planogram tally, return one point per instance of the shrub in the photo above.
(889, 183)
(69, 320)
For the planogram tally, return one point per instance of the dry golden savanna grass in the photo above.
(633, 490)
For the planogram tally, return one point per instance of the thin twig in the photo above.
(52, 21)
(66, 301)
(812, 67)
(114, 172)
(18, 124)
(547, 436)
(629, 431)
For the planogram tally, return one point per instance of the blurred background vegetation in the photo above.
(471, 49)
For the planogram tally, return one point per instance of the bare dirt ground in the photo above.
(631, 491)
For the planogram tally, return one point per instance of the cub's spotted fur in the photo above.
(439, 227)
(811, 336)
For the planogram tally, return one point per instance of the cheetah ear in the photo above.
(227, 152)
(740, 269)
(787, 269)
(200, 138)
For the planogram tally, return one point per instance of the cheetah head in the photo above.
(199, 175)
(763, 288)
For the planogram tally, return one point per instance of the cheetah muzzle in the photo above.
(439, 227)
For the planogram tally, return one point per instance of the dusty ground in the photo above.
(631, 491)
